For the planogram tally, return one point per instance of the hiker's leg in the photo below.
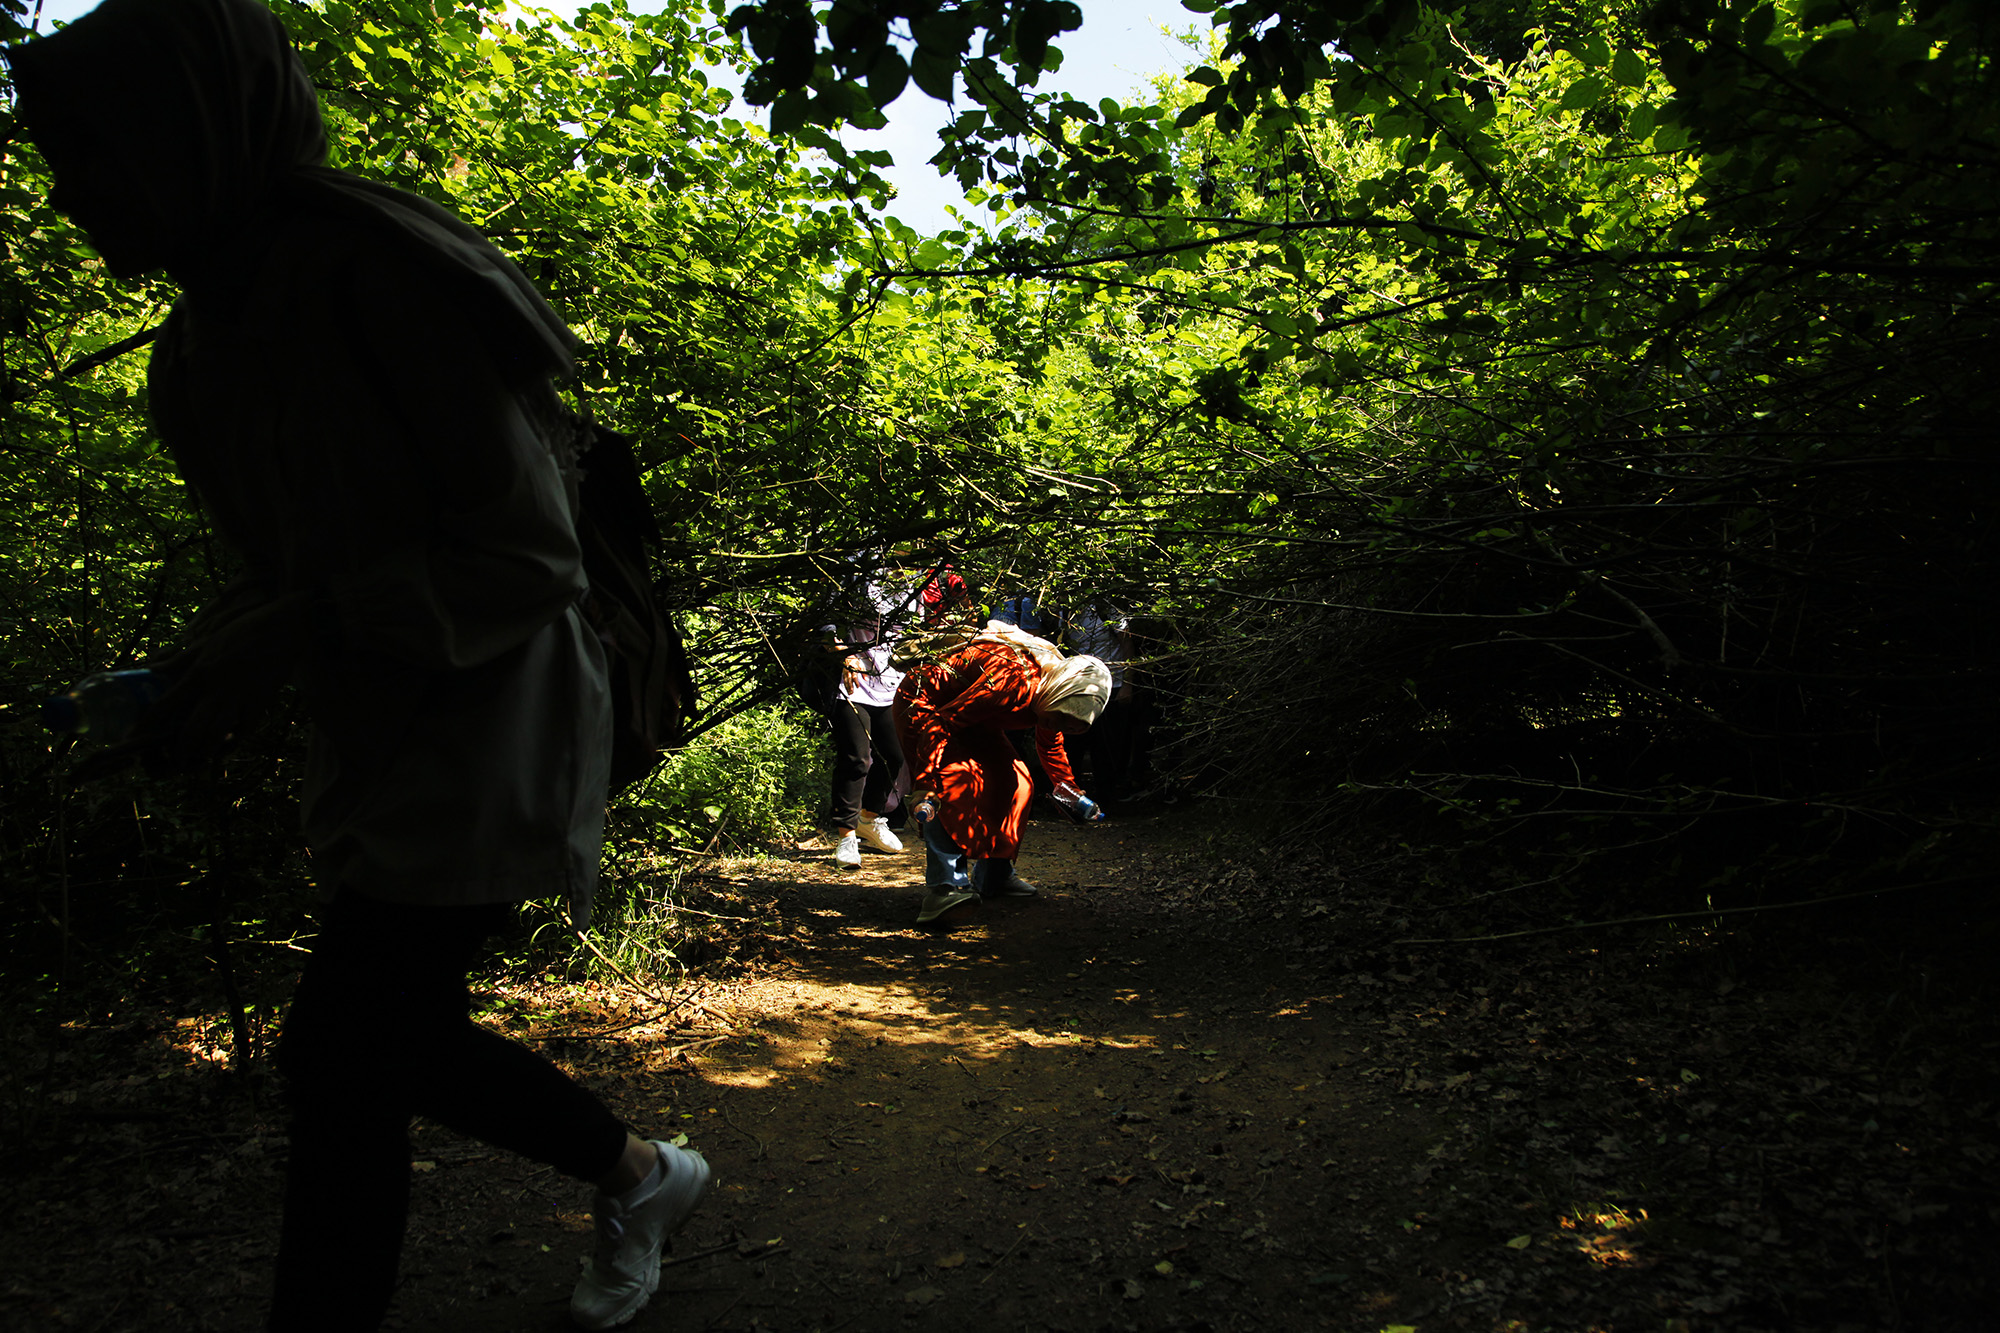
(995, 877)
(851, 767)
(478, 1083)
(345, 1054)
(886, 759)
(945, 869)
(380, 1032)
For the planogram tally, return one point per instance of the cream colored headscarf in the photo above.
(1079, 688)
(1075, 686)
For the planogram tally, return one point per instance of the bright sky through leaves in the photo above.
(1119, 46)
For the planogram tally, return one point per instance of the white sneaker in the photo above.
(847, 855)
(624, 1270)
(877, 835)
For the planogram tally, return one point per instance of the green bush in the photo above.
(754, 780)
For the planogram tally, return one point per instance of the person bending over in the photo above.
(953, 716)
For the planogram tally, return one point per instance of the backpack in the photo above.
(652, 688)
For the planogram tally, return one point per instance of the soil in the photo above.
(1184, 1088)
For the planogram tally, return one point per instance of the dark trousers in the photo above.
(1112, 742)
(866, 759)
(379, 1032)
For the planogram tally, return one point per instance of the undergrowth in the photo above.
(750, 783)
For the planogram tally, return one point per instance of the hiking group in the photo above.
(968, 739)
(362, 394)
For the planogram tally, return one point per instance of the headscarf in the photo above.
(1079, 688)
(1075, 686)
(211, 119)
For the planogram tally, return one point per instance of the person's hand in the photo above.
(217, 687)
(1124, 693)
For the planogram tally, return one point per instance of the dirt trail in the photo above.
(1174, 1092)
(1061, 1115)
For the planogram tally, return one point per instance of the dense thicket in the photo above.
(1583, 435)
(1593, 442)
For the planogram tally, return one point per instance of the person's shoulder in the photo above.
(319, 261)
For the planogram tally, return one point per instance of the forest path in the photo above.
(1174, 1092)
(1071, 1112)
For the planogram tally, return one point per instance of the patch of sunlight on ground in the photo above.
(1606, 1234)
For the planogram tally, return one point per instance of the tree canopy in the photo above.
(1568, 421)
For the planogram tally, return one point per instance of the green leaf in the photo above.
(789, 111)
(1584, 92)
(934, 72)
(887, 78)
(1628, 69)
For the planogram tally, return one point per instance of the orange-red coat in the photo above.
(953, 717)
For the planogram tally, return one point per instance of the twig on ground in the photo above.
(1003, 1256)
(699, 1255)
(1695, 912)
(597, 1035)
(762, 1151)
(1033, 1129)
(583, 937)
(734, 1301)
(680, 1051)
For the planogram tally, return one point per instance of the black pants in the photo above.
(1115, 742)
(866, 759)
(379, 1032)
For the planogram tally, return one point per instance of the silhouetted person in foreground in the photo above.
(361, 391)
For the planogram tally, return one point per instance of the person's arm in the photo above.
(1054, 754)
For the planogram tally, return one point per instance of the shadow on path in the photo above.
(1071, 1113)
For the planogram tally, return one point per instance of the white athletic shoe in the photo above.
(624, 1270)
(875, 832)
(847, 855)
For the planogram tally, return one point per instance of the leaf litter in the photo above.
(1208, 1093)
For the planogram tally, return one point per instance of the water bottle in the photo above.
(105, 705)
(1074, 801)
(926, 810)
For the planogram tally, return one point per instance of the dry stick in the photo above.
(1696, 912)
(1003, 1134)
(762, 1151)
(1003, 1258)
(629, 979)
(733, 1303)
(699, 1255)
